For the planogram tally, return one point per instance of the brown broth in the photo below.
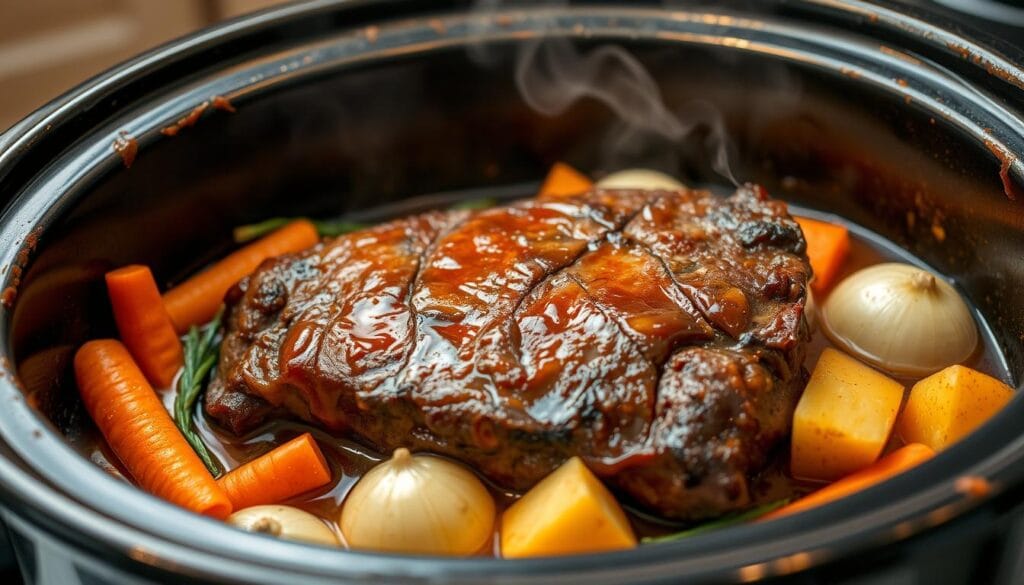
(349, 459)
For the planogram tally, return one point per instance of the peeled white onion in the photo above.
(418, 504)
(901, 319)
(811, 310)
(646, 179)
(284, 522)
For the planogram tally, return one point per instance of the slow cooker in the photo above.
(888, 115)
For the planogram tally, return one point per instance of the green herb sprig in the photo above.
(474, 204)
(731, 520)
(201, 348)
(336, 227)
(326, 228)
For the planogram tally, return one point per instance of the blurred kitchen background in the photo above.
(49, 46)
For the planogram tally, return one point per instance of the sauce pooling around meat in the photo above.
(655, 339)
(350, 459)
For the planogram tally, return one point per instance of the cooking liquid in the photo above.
(349, 459)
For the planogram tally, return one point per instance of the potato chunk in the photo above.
(568, 512)
(949, 404)
(843, 419)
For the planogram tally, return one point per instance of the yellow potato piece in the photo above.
(843, 419)
(568, 512)
(949, 404)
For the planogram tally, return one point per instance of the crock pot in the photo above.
(898, 121)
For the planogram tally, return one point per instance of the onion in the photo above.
(645, 179)
(418, 504)
(811, 311)
(284, 522)
(901, 319)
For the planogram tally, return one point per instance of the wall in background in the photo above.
(49, 46)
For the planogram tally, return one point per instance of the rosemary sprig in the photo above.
(731, 520)
(475, 204)
(202, 349)
(336, 227)
(246, 233)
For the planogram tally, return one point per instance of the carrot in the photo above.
(196, 300)
(563, 180)
(145, 328)
(138, 429)
(892, 464)
(289, 470)
(827, 247)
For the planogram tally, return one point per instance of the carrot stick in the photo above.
(892, 464)
(145, 328)
(562, 181)
(138, 429)
(196, 300)
(289, 470)
(827, 247)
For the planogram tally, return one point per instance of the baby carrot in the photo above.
(892, 464)
(196, 300)
(289, 470)
(141, 433)
(563, 180)
(827, 247)
(145, 328)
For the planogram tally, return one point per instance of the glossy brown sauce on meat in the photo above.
(350, 459)
(657, 335)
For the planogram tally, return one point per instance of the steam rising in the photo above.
(552, 75)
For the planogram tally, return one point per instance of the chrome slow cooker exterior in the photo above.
(861, 109)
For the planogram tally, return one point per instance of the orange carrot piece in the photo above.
(196, 300)
(827, 247)
(145, 328)
(892, 464)
(562, 181)
(138, 429)
(289, 470)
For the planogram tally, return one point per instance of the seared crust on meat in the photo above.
(657, 335)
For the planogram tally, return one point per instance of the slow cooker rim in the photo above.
(485, 565)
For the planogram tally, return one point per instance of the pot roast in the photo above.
(657, 335)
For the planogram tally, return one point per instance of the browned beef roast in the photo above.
(657, 335)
